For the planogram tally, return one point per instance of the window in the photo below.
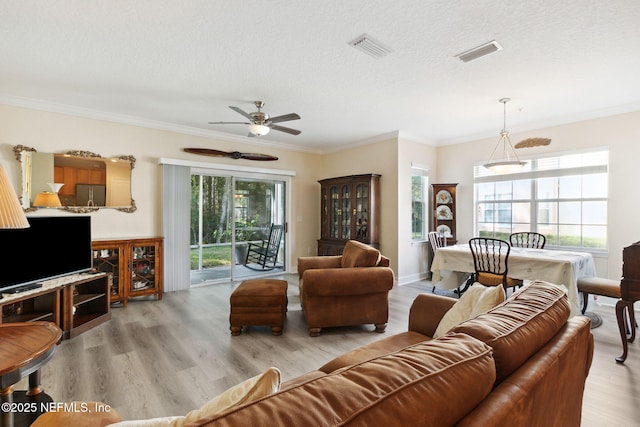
(419, 203)
(563, 196)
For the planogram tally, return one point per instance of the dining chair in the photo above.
(527, 239)
(490, 261)
(437, 240)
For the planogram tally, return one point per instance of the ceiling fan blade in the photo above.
(229, 123)
(284, 118)
(285, 129)
(257, 156)
(241, 111)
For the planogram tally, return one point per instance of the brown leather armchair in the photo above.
(347, 289)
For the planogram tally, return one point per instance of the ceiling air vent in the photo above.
(480, 51)
(370, 46)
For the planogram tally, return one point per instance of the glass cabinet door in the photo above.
(334, 213)
(361, 212)
(109, 258)
(345, 231)
(143, 268)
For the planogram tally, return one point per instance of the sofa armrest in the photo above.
(311, 262)
(347, 281)
(427, 311)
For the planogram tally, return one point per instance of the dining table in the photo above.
(557, 266)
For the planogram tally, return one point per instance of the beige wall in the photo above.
(621, 133)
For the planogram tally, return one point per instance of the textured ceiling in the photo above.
(180, 64)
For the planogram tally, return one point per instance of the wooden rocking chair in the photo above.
(265, 254)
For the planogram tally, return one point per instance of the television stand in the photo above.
(23, 288)
(76, 303)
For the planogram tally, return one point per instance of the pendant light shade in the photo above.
(504, 158)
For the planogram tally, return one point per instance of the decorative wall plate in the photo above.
(444, 229)
(443, 197)
(444, 212)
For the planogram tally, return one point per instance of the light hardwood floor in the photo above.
(161, 358)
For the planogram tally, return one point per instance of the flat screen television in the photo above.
(51, 247)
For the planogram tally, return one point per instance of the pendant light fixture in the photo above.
(509, 162)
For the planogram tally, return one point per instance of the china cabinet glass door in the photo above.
(345, 213)
(361, 213)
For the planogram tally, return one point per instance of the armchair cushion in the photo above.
(357, 254)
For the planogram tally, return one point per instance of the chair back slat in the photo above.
(275, 236)
(490, 256)
(527, 239)
(437, 240)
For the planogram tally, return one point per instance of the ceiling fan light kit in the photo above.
(261, 123)
(258, 129)
(509, 162)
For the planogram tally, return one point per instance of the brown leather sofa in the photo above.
(347, 289)
(523, 363)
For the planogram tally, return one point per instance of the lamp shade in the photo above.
(47, 199)
(11, 213)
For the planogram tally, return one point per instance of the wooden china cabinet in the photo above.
(444, 210)
(135, 266)
(350, 210)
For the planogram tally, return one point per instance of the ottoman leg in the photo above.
(235, 330)
(276, 330)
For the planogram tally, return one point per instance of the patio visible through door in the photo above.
(232, 218)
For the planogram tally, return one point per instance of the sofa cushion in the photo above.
(456, 372)
(247, 391)
(476, 300)
(375, 349)
(520, 326)
(357, 254)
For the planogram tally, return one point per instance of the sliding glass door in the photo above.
(231, 221)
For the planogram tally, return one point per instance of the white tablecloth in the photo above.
(555, 266)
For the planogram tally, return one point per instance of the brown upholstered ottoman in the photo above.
(258, 302)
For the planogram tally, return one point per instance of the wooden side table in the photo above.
(630, 293)
(25, 348)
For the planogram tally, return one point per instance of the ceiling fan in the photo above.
(261, 123)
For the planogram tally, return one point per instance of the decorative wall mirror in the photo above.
(75, 181)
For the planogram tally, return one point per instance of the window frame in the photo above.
(420, 172)
(591, 162)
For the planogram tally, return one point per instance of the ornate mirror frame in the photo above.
(20, 149)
